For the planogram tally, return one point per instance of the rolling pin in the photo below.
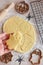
(3, 14)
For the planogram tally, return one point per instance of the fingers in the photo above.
(4, 36)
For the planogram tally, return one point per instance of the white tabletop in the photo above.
(12, 12)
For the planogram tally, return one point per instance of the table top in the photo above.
(32, 20)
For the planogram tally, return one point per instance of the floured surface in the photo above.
(38, 45)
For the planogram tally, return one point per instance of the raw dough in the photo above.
(24, 35)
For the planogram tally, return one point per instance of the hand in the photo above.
(3, 46)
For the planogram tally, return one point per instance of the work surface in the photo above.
(32, 20)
